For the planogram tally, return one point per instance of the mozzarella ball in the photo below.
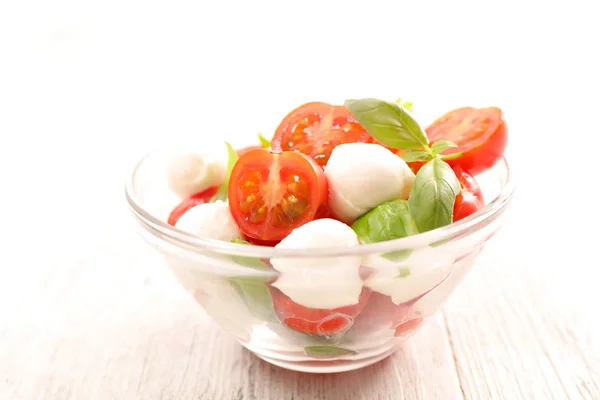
(406, 280)
(210, 220)
(327, 282)
(361, 176)
(191, 173)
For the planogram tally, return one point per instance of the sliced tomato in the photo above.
(192, 201)
(314, 321)
(259, 242)
(244, 150)
(316, 128)
(272, 193)
(470, 198)
(480, 134)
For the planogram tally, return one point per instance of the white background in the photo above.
(85, 87)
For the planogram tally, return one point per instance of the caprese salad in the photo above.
(341, 176)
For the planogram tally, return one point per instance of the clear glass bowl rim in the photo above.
(184, 240)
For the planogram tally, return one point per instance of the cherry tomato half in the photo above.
(316, 128)
(259, 242)
(314, 321)
(470, 198)
(244, 150)
(272, 193)
(192, 201)
(480, 134)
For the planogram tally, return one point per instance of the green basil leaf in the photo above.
(451, 156)
(404, 272)
(432, 195)
(326, 351)
(416, 155)
(257, 297)
(266, 143)
(406, 104)
(250, 262)
(389, 123)
(440, 146)
(252, 289)
(387, 221)
(232, 158)
(397, 256)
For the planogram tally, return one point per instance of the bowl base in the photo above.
(327, 366)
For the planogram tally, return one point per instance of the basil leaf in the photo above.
(326, 351)
(396, 256)
(257, 297)
(387, 221)
(253, 290)
(232, 158)
(389, 123)
(451, 156)
(406, 104)
(404, 272)
(266, 143)
(416, 155)
(440, 146)
(432, 195)
(251, 262)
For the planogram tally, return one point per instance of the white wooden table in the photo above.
(87, 313)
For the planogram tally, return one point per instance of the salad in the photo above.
(341, 176)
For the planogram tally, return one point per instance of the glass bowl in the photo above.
(404, 281)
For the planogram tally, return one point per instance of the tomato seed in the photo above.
(256, 216)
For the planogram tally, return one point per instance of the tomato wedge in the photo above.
(316, 128)
(315, 321)
(480, 134)
(470, 198)
(192, 201)
(271, 193)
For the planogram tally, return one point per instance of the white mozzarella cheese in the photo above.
(361, 176)
(191, 173)
(210, 220)
(324, 283)
(406, 280)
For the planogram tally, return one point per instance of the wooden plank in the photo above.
(526, 327)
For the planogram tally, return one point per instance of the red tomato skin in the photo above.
(259, 242)
(355, 132)
(317, 183)
(314, 321)
(470, 199)
(483, 155)
(244, 150)
(192, 201)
